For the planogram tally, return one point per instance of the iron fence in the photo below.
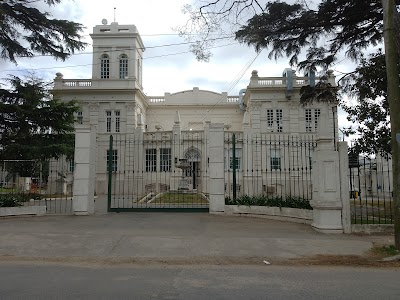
(371, 189)
(38, 183)
(268, 165)
(158, 171)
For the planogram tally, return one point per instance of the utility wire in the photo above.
(127, 48)
(230, 87)
(94, 64)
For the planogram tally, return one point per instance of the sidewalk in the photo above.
(171, 236)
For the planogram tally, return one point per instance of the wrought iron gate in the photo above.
(371, 189)
(158, 171)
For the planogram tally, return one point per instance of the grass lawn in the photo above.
(7, 190)
(384, 251)
(181, 198)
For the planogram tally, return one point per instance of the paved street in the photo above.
(196, 282)
(186, 236)
(181, 256)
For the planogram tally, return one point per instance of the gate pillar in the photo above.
(84, 174)
(216, 168)
(326, 203)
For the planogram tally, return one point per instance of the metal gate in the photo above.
(371, 189)
(158, 171)
(46, 183)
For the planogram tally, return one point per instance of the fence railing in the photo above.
(157, 170)
(371, 188)
(38, 183)
(268, 165)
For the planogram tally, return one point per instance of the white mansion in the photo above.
(161, 130)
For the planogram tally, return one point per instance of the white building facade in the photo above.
(152, 134)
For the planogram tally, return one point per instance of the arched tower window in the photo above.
(123, 66)
(105, 66)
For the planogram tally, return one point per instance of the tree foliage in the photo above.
(322, 91)
(322, 34)
(26, 31)
(320, 31)
(367, 85)
(209, 18)
(314, 38)
(33, 124)
(335, 26)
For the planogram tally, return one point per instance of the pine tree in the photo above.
(33, 124)
(26, 31)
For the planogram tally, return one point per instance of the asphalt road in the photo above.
(38, 281)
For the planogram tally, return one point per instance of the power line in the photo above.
(230, 87)
(95, 64)
(128, 48)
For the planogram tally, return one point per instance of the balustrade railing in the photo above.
(77, 83)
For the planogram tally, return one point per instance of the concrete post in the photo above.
(205, 162)
(216, 168)
(256, 150)
(130, 109)
(247, 155)
(58, 81)
(344, 186)
(326, 203)
(84, 174)
(139, 157)
(175, 153)
(254, 78)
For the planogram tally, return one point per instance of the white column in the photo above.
(247, 155)
(175, 155)
(344, 186)
(130, 109)
(139, 157)
(216, 168)
(326, 203)
(84, 174)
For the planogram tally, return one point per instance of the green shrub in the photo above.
(9, 200)
(12, 200)
(290, 201)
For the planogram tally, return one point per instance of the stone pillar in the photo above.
(256, 150)
(84, 174)
(254, 78)
(205, 157)
(344, 186)
(139, 156)
(216, 168)
(58, 81)
(94, 113)
(247, 155)
(326, 203)
(175, 151)
(130, 109)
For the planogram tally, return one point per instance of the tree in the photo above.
(368, 86)
(33, 124)
(336, 25)
(26, 31)
(322, 34)
(288, 29)
(207, 18)
(393, 88)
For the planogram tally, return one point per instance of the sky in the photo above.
(165, 68)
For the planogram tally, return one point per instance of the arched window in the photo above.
(104, 66)
(123, 66)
